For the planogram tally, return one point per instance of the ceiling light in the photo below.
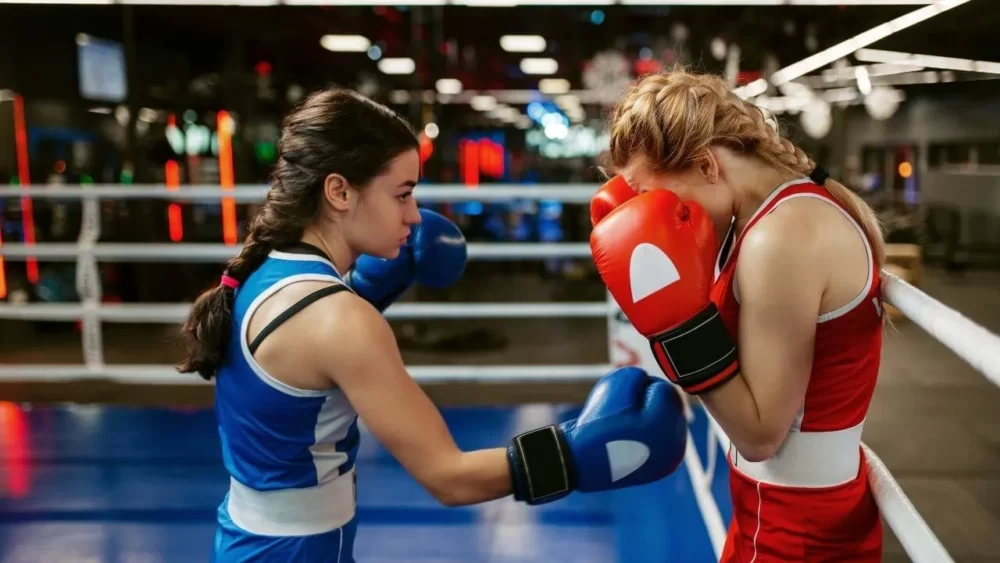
(522, 43)
(345, 43)
(862, 40)
(359, 2)
(864, 81)
(503, 113)
(539, 66)
(448, 86)
(752, 90)
(553, 86)
(881, 69)
(564, 2)
(782, 2)
(840, 95)
(510, 116)
(927, 61)
(402, 65)
(484, 3)
(483, 103)
(568, 101)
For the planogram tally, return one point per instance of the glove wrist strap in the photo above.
(699, 355)
(540, 465)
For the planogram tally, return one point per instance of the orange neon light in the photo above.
(3, 269)
(14, 443)
(3, 276)
(175, 222)
(227, 176)
(27, 211)
(469, 162)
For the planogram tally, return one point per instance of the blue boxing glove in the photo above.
(631, 431)
(434, 255)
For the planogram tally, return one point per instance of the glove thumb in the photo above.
(703, 231)
(662, 397)
(612, 194)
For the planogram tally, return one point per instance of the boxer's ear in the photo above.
(336, 192)
(707, 164)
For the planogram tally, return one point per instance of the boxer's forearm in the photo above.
(476, 476)
(733, 406)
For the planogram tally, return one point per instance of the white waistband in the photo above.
(293, 512)
(808, 459)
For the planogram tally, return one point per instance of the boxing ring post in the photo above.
(971, 342)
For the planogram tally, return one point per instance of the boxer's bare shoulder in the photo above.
(814, 234)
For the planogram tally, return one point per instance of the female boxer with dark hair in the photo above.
(298, 351)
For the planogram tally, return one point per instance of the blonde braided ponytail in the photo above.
(671, 118)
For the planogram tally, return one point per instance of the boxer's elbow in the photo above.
(449, 497)
(448, 482)
(452, 493)
(442, 481)
(757, 452)
(761, 445)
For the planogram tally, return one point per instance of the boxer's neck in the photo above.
(752, 181)
(334, 247)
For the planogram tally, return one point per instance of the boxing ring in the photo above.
(703, 474)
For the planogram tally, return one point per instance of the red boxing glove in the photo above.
(657, 255)
(613, 193)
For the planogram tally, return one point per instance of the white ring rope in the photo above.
(971, 342)
(142, 374)
(919, 541)
(218, 252)
(701, 483)
(209, 193)
(170, 313)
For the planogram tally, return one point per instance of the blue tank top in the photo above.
(275, 436)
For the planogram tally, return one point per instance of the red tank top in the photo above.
(848, 341)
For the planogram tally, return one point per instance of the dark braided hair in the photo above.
(333, 131)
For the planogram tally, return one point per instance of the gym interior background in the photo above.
(504, 95)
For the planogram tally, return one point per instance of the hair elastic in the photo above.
(819, 176)
(230, 282)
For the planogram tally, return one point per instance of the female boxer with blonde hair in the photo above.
(782, 343)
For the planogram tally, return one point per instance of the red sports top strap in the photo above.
(799, 186)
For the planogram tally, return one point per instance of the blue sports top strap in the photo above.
(295, 308)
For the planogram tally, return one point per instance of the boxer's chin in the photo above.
(390, 253)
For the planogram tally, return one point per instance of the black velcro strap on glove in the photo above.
(698, 355)
(540, 466)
